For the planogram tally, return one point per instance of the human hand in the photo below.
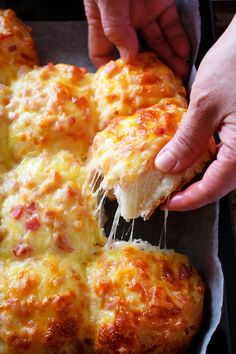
(113, 22)
(212, 107)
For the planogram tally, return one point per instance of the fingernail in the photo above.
(124, 53)
(165, 161)
(176, 198)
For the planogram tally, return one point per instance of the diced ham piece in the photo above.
(12, 48)
(22, 249)
(31, 208)
(17, 211)
(32, 224)
(5, 36)
(62, 242)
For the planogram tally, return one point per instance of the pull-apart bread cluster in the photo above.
(66, 135)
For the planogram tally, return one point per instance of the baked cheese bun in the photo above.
(124, 153)
(16, 46)
(46, 207)
(51, 109)
(44, 306)
(144, 300)
(121, 89)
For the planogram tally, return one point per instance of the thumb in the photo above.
(190, 140)
(117, 27)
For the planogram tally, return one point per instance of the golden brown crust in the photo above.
(16, 46)
(144, 301)
(51, 109)
(121, 89)
(128, 146)
(44, 306)
(46, 207)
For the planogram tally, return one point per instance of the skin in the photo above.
(114, 23)
(212, 108)
(213, 97)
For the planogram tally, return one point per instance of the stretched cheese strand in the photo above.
(94, 178)
(115, 223)
(166, 213)
(164, 231)
(131, 238)
(127, 232)
(98, 211)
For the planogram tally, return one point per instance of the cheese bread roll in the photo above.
(121, 89)
(144, 300)
(44, 306)
(46, 207)
(51, 108)
(124, 153)
(16, 46)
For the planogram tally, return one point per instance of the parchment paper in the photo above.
(193, 233)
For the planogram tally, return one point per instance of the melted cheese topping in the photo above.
(51, 108)
(144, 300)
(16, 46)
(121, 89)
(44, 306)
(47, 207)
(128, 146)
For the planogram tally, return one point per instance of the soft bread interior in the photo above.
(153, 188)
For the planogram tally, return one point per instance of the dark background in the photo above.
(49, 10)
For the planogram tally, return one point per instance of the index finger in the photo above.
(117, 26)
(100, 48)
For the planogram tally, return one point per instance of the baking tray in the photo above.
(224, 339)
